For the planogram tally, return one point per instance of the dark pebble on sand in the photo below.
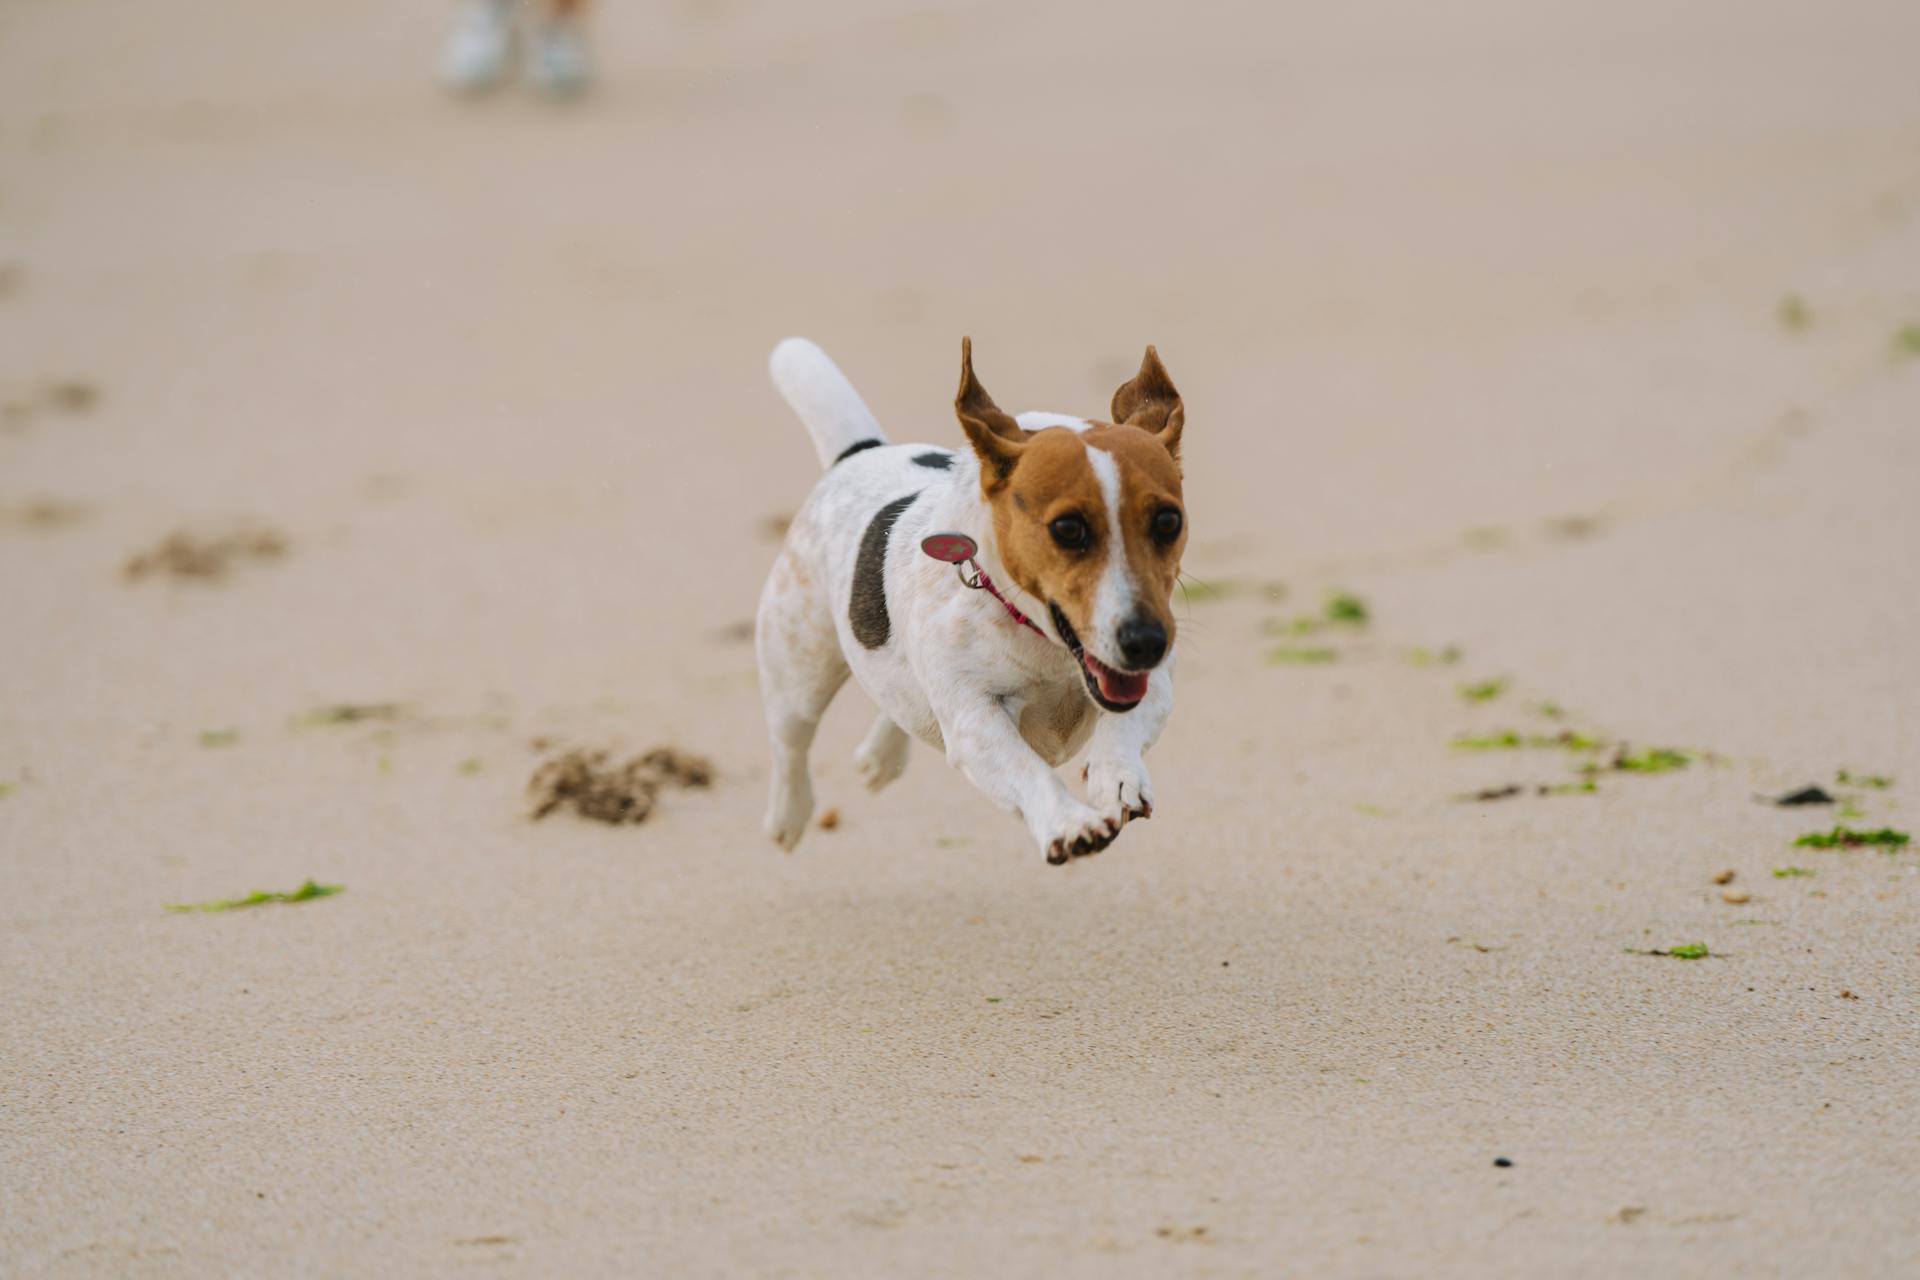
(1501, 1162)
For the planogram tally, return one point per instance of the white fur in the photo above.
(1006, 705)
(825, 401)
(1114, 598)
(1033, 420)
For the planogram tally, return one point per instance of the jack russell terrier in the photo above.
(1056, 629)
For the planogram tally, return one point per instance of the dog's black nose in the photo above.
(1143, 641)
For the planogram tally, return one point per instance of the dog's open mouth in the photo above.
(1113, 690)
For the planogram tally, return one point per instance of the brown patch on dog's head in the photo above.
(1090, 521)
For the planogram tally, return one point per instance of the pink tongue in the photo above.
(1120, 686)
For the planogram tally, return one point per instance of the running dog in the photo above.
(1008, 603)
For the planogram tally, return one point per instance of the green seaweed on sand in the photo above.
(1684, 951)
(1342, 609)
(1347, 609)
(219, 737)
(1512, 740)
(1844, 837)
(1551, 710)
(1505, 740)
(1906, 339)
(1585, 787)
(1652, 760)
(1300, 655)
(1484, 690)
(304, 893)
(1445, 656)
(1872, 781)
(1794, 312)
(1790, 873)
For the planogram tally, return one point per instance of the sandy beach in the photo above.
(1580, 343)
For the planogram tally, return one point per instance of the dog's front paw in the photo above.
(1076, 831)
(1120, 790)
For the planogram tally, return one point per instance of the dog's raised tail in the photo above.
(837, 418)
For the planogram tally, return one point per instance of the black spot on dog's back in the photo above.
(867, 606)
(858, 446)
(939, 460)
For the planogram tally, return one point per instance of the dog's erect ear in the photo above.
(996, 437)
(1150, 402)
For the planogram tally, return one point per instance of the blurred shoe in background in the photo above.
(557, 60)
(477, 54)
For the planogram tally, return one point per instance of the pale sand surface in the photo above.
(496, 370)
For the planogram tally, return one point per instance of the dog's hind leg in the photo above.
(801, 668)
(882, 757)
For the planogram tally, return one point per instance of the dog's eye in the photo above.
(1071, 532)
(1166, 524)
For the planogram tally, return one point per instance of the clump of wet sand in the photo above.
(588, 782)
(43, 514)
(189, 557)
(68, 395)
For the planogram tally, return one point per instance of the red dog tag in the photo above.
(953, 548)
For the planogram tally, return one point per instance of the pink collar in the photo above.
(958, 550)
(982, 581)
